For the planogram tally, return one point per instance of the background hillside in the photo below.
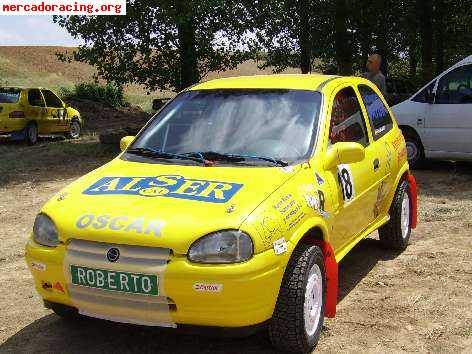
(39, 66)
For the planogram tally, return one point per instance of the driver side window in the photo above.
(455, 87)
(347, 122)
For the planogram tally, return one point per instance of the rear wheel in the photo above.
(396, 233)
(31, 133)
(74, 130)
(299, 313)
(414, 149)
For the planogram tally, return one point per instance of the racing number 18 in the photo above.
(346, 182)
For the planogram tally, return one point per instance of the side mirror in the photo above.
(343, 153)
(125, 141)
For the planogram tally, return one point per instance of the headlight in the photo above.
(229, 246)
(44, 231)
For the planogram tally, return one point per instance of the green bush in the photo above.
(108, 94)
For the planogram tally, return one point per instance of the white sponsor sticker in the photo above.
(205, 287)
(280, 246)
(38, 266)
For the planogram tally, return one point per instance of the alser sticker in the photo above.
(205, 287)
(172, 186)
(120, 223)
(347, 182)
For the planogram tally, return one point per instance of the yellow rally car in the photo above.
(231, 208)
(27, 112)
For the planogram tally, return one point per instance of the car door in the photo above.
(448, 124)
(381, 126)
(354, 198)
(56, 112)
(36, 110)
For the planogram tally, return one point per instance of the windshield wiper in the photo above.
(165, 155)
(218, 156)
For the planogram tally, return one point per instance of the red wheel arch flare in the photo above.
(414, 200)
(331, 268)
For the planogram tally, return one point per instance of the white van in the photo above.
(437, 120)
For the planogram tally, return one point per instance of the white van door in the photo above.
(448, 123)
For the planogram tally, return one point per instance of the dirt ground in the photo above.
(416, 301)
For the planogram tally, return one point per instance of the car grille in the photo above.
(113, 305)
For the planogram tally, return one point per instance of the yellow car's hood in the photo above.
(160, 205)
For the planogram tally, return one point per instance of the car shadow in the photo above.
(359, 262)
(53, 335)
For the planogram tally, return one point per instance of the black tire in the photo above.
(66, 312)
(391, 234)
(31, 133)
(414, 148)
(75, 130)
(287, 329)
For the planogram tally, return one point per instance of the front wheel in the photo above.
(299, 313)
(74, 130)
(31, 133)
(396, 233)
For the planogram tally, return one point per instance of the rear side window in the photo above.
(51, 99)
(9, 95)
(35, 98)
(379, 117)
(347, 123)
(455, 87)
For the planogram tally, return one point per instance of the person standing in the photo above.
(374, 74)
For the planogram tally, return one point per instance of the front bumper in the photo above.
(236, 295)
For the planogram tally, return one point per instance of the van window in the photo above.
(35, 98)
(425, 95)
(347, 122)
(9, 95)
(455, 87)
(379, 116)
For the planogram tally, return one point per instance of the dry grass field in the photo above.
(39, 66)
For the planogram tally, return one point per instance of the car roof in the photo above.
(279, 81)
(466, 60)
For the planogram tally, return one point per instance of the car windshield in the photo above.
(9, 95)
(276, 124)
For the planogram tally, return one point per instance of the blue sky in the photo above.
(33, 30)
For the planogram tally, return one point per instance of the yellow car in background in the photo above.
(26, 113)
(231, 208)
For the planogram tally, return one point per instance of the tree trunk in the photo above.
(189, 74)
(412, 37)
(412, 60)
(341, 38)
(425, 8)
(304, 36)
(439, 35)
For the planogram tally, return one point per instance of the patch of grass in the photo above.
(51, 159)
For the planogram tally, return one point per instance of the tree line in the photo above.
(164, 44)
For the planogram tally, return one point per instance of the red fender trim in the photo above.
(331, 268)
(414, 200)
